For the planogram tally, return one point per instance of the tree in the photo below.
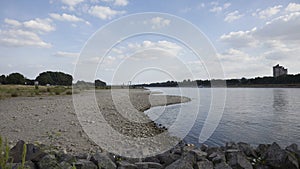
(2, 79)
(15, 78)
(100, 83)
(54, 78)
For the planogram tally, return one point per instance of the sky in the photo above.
(249, 37)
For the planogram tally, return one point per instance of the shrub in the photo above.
(14, 94)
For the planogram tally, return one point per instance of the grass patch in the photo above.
(7, 91)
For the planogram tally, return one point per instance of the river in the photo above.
(252, 115)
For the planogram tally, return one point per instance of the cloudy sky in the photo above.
(249, 37)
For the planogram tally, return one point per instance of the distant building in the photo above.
(279, 71)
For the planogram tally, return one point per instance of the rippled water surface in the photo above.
(252, 115)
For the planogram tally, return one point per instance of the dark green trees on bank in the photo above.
(15, 78)
(54, 78)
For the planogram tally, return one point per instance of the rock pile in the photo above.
(183, 156)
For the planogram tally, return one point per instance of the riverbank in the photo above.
(52, 120)
(182, 156)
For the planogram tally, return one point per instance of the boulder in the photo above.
(222, 165)
(85, 164)
(205, 164)
(217, 157)
(167, 158)
(237, 159)
(66, 158)
(247, 150)
(180, 164)
(126, 165)
(293, 148)
(33, 152)
(146, 165)
(48, 162)
(278, 158)
(65, 165)
(199, 155)
(102, 160)
(151, 159)
(204, 147)
(231, 145)
(261, 149)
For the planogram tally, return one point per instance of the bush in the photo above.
(14, 94)
(69, 92)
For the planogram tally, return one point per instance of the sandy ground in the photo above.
(70, 123)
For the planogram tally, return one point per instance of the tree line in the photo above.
(44, 78)
(281, 80)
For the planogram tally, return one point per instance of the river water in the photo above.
(252, 115)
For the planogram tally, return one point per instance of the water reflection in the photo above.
(280, 100)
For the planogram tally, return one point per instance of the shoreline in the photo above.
(53, 121)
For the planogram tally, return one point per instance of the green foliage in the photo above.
(4, 154)
(99, 83)
(23, 157)
(15, 78)
(54, 78)
(73, 167)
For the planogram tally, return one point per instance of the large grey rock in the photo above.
(126, 165)
(66, 158)
(33, 152)
(65, 165)
(185, 162)
(262, 148)
(204, 147)
(293, 148)
(103, 161)
(247, 149)
(180, 164)
(85, 164)
(205, 164)
(231, 145)
(199, 155)
(222, 165)
(278, 158)
(167, 158)
(48, 162)
(146, 165)
(217, 157)
(237, 159)
(151, 159)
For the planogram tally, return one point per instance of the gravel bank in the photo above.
(53, 121)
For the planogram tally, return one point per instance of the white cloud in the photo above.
(219, 8)
(171, 48)
(284, 27)
(233, 16)
(26, 33)
(12, 22)
(104, 12)
(19, 38)
(158, 22)
(72, 2)
(267, 13)
(67, 17)
(121, 2)
(240, 39)
(43, 25)
(293, 7)
(237, 63)
(66, 54)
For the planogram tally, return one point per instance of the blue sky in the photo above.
(249, 36)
